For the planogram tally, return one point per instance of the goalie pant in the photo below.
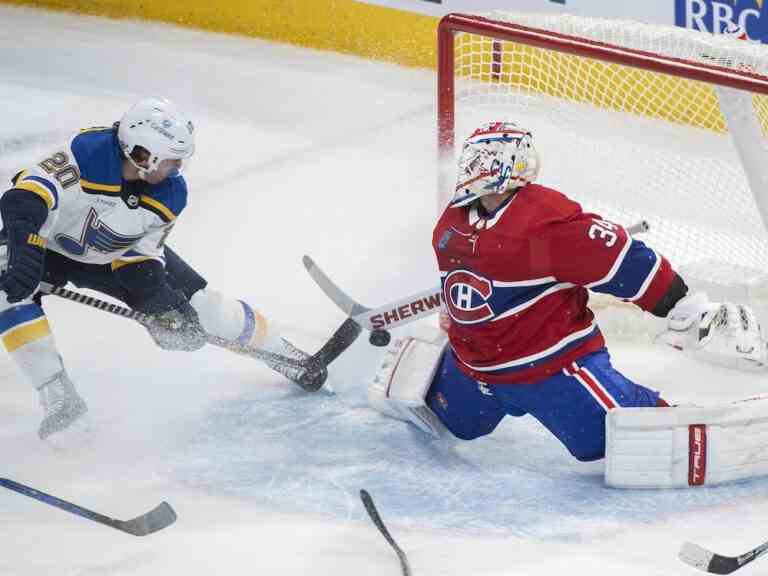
(571, 404)
(27, 336)
(419, 381)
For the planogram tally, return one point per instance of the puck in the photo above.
(380, 338)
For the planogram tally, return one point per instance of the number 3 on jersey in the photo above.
(603, 230)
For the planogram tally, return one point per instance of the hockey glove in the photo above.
(178, 329)
(26, 261)
(722, 333)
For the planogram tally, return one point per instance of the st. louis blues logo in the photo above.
(466, 295)
(95, 236)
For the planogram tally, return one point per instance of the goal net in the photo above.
(636, 122)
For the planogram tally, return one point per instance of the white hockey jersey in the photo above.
(88, 220)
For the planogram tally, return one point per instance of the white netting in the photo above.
(627, 143)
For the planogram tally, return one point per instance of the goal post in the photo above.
(635, 121)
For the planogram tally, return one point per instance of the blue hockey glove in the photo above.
(26, 261)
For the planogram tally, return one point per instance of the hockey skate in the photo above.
(61, 403)
(309, 379)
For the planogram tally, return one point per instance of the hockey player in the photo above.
(97, 213)
(516, 260)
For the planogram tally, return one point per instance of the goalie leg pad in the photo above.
(402, 381)
(686, 446)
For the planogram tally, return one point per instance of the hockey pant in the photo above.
(572, 404)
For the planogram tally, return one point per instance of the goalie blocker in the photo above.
(400, 385)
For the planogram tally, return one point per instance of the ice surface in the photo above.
(299, 152)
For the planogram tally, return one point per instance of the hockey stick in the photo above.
(701, 558)
(156, 519)
(398, 313)
(373, 513)
(309, 373)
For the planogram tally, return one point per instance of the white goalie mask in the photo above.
(158, 126)
(496, 158)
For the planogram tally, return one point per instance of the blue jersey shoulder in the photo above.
(99, 159)
(166, 199)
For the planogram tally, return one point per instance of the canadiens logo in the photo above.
(724, 17)
(466, 296)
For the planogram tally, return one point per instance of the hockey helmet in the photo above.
(496, 158)
(158, 126)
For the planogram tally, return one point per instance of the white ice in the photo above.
(299, 152)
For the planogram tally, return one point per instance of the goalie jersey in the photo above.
(515, 282)
(94, 216)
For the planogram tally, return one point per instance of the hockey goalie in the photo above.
(516, 261)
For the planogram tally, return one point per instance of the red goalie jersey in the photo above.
(515, 282)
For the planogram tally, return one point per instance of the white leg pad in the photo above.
(402, 381)
(686, 445)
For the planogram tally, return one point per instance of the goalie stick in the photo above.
(707, 561)
(309, 373)
(398, 313)
(156, 519)
(373, 513)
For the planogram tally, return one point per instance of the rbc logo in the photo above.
(466, 295)
(723, 16)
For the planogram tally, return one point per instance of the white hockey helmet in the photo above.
(159, 127)
(496, 158)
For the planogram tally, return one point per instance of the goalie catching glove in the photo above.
(722, 333)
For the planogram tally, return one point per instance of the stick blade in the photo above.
(695, 556)
(156, 519)
(373, 514)
(347, 305)
(706, 561)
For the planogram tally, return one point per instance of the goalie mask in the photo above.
(154, 134)
(496, 158)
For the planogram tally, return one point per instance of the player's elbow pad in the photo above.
(16, 205)
(676, 292)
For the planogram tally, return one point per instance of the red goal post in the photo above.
(648, 79)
